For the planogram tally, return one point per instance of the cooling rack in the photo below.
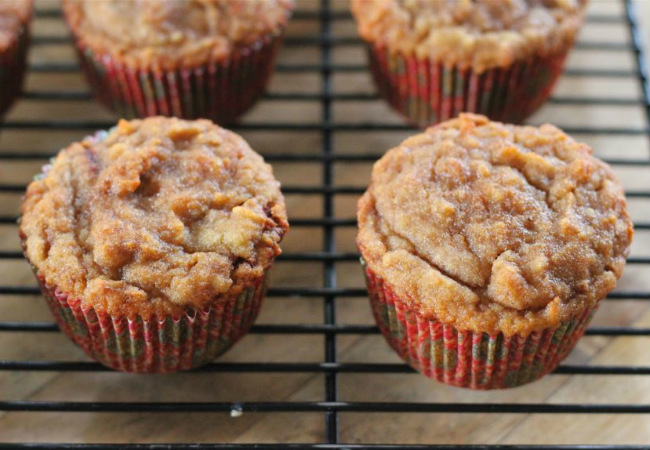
(314, 372)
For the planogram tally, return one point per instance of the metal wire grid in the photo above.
(328, 256)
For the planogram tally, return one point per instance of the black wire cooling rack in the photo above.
(331, 329)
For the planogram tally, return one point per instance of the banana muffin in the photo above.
(488, 247)
(184, 58)
(433, 59)
(15, 16)
(152, 241)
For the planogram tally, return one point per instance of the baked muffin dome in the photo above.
(495, 228)
(174, 33)
(481, 34)
(154, 217)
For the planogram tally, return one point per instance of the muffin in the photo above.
(433, 59)
(152, 241)
(488, 247)
(14, 39)
(183, 58)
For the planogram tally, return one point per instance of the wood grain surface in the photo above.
(442, 428)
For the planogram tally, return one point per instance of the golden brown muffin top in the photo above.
(495, 228)
(480, 34)
(174, 33)
(13, 15)
(155, 216)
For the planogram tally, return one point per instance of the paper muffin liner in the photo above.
(13, 61)
(219, 90)
(465, 358)
(426, 92)
(158, 344)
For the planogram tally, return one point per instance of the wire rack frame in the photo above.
(329, 256)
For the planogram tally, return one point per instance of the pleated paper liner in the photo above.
(426, 93)
(469, 359)
(220, 90)
(12, 69)
(159, 344)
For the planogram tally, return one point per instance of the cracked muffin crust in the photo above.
(154, 217)
(174, 33)
(481, 34)
(495, 228)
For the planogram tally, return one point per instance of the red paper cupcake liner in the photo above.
(426, 92)
(162, 343)
(470, 359)
(220, 90)
(12, 69)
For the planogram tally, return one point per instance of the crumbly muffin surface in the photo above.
(156, 216)
(13, 15)
(174, 33)
(480, 34)
(494, 227)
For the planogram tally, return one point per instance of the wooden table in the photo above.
(309, 386)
